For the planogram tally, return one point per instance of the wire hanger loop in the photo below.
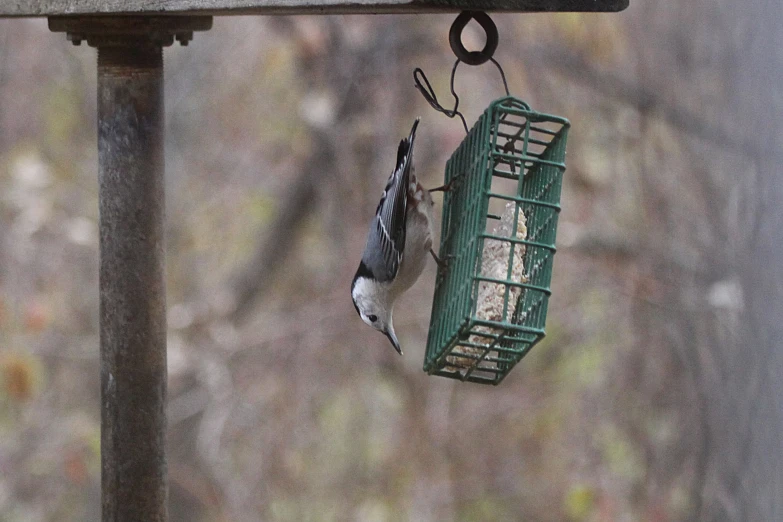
(463, 55)
(428, 92)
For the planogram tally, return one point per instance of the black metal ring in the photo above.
(455, 37)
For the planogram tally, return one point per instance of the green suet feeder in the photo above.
(498, 237)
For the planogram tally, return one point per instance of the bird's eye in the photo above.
(372, 318)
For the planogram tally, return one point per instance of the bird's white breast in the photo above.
(418, 237)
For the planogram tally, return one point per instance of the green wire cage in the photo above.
(498, 237)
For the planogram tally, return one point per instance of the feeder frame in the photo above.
(493, 165)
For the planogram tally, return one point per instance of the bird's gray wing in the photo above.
(386, 239)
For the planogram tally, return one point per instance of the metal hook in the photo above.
(455, 37)
(463, 55)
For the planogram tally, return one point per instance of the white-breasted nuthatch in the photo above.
(399, 240)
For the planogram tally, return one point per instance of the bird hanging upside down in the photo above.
(398, 243)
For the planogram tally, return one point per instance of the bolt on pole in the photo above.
(134, 484)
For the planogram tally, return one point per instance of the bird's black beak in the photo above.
(393, 338)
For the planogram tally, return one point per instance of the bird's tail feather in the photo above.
(405, 150)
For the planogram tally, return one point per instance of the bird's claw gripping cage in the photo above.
(498, 234)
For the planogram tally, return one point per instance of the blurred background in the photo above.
(656, 395)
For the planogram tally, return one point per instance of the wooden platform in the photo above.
(32, 8)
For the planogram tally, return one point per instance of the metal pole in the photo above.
(132, 290)
(134, 484)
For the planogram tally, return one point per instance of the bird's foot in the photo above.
(442, 262)
(448, 187)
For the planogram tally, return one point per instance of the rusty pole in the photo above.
(134, 484)
(132, 289)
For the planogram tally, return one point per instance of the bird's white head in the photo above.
(374, 305)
